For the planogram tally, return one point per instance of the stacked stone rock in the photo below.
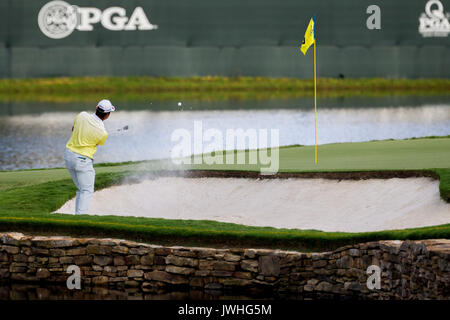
(410, 269)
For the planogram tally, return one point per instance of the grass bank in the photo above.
(27, 209)
(29, 197)
(208, 88)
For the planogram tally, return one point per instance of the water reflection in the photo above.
(37, 140)
(36, 107)
(19, 291)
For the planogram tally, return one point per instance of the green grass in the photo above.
(208, 88)
(27, 197)
(411, 154)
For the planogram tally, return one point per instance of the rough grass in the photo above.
(444, 185)
(208, 88)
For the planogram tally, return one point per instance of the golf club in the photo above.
(118, 131)
(123, 129)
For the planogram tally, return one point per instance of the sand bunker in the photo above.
(328, 205)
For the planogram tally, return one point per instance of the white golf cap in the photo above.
(105, 106)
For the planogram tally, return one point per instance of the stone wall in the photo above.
(409, 269)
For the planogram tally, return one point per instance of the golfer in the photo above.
(88, 132)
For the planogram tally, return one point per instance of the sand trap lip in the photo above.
(321, 204)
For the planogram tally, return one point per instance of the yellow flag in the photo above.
(310, 36)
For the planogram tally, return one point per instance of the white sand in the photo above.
(328, 205)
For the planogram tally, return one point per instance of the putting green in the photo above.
(375, 155)
(413, 154)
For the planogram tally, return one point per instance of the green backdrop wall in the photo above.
(228, 37)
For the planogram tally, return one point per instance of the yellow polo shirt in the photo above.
(88, 132)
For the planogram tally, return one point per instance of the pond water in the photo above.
(40, 291)
(34, 134)
(23, 291)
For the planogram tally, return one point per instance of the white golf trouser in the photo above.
(83, 175)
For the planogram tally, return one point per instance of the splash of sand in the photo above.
(327, 205)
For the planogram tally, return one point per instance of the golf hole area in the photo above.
(294, 203)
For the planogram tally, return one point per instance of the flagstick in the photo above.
(315, 104)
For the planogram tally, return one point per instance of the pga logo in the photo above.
(58, 19)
